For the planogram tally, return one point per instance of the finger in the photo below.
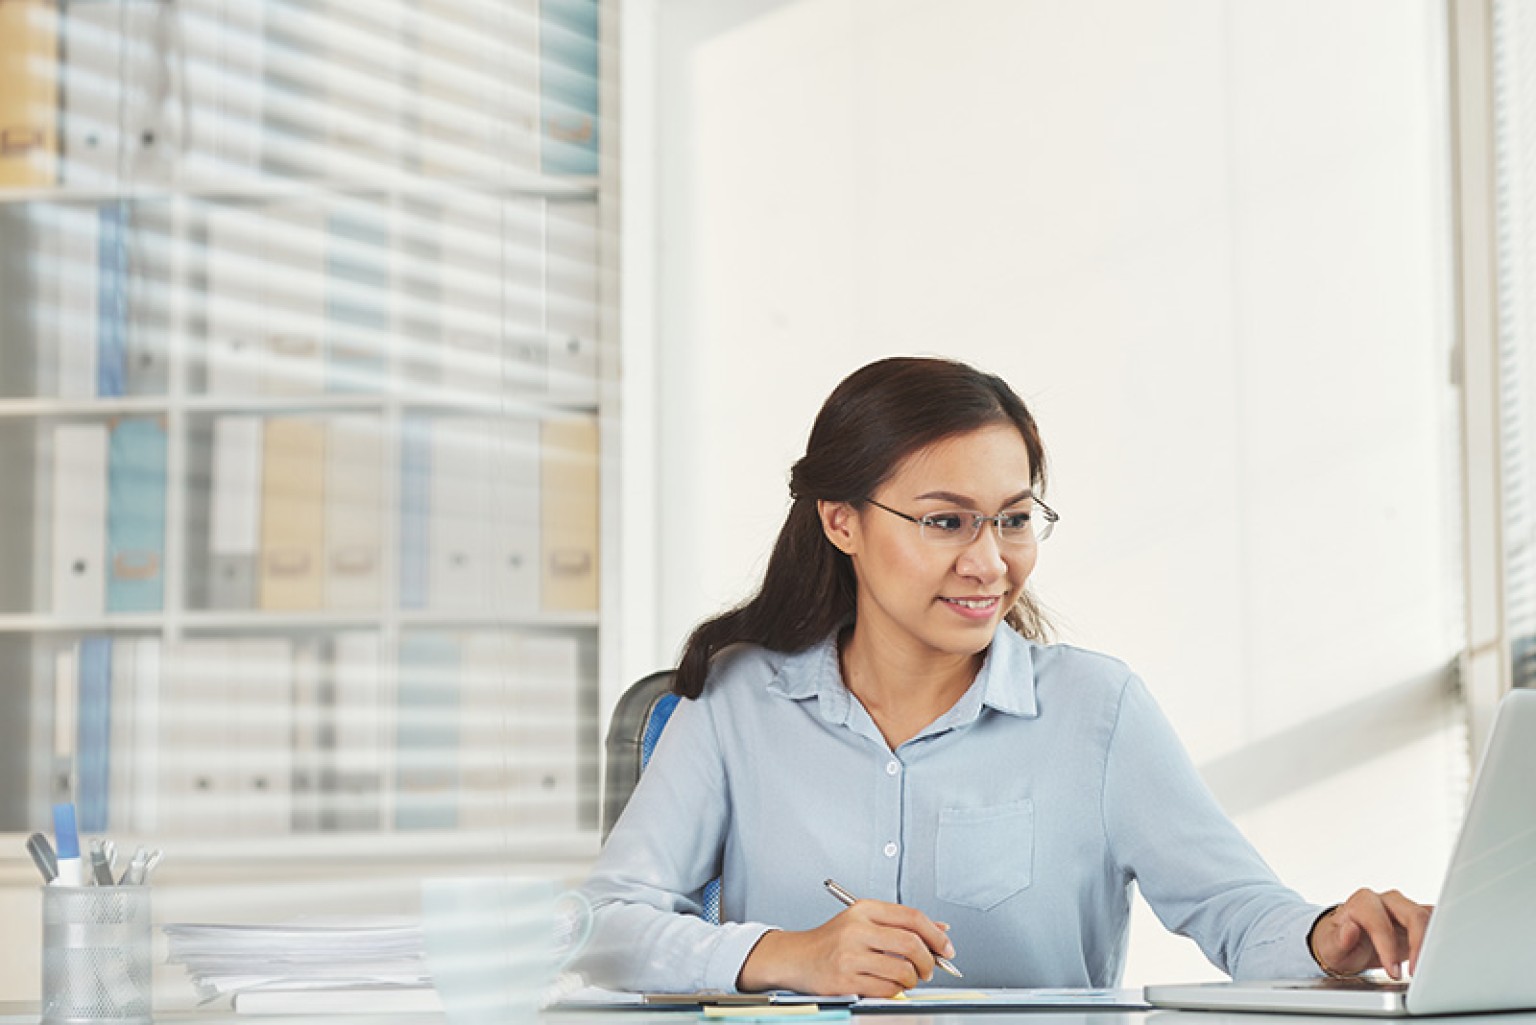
(884, 969)
(914, 921)
(1381, 932)
(908, 946)
(1412, 919)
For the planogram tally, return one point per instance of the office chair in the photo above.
(638, 719)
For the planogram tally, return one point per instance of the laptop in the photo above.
(1477, 953)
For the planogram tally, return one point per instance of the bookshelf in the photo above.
(304, 372)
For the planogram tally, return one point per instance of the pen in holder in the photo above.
(97, 945)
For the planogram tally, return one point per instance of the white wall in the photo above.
(1208, 243)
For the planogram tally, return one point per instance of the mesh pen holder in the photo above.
(97, 952)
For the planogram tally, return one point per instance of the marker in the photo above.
(43, 857)
(67, 839)
(101, 869)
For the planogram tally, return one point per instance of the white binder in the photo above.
(92, 99)
(488, 708)
(547, 775)
(263, 735)
(355, 797)
(234, 528)
(471, 288)
(233, 308)
(123, 783)
(354, 512)
(461, 532)
(73, 238)
(515, 513)
(79, 519)
(573, 255)
(225, 48)
(145, 653)
(197, 764)
(293, 289)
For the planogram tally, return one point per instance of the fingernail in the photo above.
(949, 949)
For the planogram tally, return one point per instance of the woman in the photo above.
(884, 713)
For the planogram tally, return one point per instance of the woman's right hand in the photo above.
(871, 949)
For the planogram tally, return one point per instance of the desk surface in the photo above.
(27, 1014)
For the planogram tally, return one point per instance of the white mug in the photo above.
(495, 944)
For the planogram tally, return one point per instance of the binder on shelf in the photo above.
(29, 93)
(568, 489)
(515, 510)
(568, 86)
(225, 49)
(262, 741)
(122, 788)
(151, 255)
(95, 710)
(461, 534)
(145, 802)
(234, 311)
(354, 790)
(545, 722)
(573, 260)
(73, 237)
(524, 293)
(470, 287)
(136, 485)
(365, 71)
(92, 82)
(293, 514)
(112, 300)
(354, 512)
(415, 510)
(235, 501)
(151, 84)
(66, 723)
(311, 735)
(427, 733)
(196, 768)
(357, 299)
(488, 708)
(79, 519)
(293, 287)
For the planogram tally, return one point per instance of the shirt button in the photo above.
(891, 849)
(892, 767)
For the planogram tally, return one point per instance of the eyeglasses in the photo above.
(961, 527)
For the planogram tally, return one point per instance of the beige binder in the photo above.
(354, 512)
(568, 525)
(29, 93)
(293, 514)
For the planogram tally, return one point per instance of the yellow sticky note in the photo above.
(759, 1010)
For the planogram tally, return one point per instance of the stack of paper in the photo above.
(356, 955)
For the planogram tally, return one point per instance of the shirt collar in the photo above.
(1006, 682)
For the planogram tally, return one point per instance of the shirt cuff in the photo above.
(1283, 953)
(725, 961)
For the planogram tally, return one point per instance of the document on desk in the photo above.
(927, 1001)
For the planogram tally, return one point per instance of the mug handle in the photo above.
(580, 926)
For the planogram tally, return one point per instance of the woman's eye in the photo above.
(1016, 521)
(947, 522)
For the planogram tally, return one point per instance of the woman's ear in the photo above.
(840, 522)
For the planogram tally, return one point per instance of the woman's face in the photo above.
(930, 598)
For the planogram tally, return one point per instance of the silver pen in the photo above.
(43, 857)
(848, 900)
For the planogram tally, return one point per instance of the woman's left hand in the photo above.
(1370, 930)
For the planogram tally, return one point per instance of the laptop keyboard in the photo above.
(1355, 983)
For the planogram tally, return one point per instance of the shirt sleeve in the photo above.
(1197, 871)
(648, 933)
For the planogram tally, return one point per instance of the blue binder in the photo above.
(415, 510)
(94, 730)
(111, 301)
(427, 734)
(568, 69)
(136, 516)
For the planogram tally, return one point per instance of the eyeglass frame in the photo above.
(1052, 517)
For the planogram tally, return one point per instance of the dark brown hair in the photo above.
(872, 421)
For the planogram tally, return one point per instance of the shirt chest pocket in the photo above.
(985, 855)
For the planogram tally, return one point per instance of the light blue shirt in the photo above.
(1021, 817)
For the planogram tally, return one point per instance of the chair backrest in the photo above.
(638, 719)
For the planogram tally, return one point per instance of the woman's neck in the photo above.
(902, 692)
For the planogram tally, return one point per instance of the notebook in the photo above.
(1476, 954)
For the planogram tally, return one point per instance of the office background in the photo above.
(1229, 252)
